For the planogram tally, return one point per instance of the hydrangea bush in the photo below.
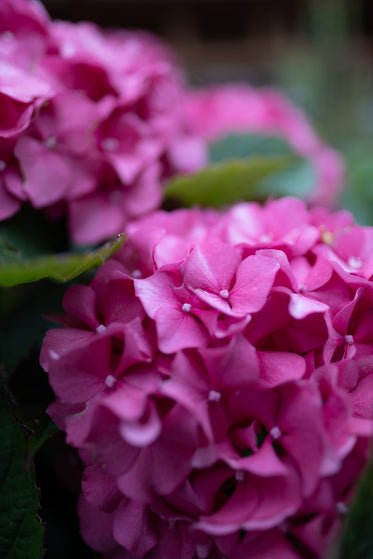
(215, 375)
(216, 378)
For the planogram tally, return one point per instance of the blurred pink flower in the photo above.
(93, 122)
(216, 378)
(219, 110)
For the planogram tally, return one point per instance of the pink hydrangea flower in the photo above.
(217, 379)
(93, 122)
(90, 121)
(218, 110)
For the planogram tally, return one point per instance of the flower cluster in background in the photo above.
(214, 111)
(93, 122)
(216, 377)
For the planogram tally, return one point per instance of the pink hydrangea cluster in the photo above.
(217, 379)
(90, 121)
(215, 111)
(93, 122)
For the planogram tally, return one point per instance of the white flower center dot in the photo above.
(355, 262)
(101, 328)
(224, 293)
(2, 165)
(137, 274)
(341, 508)
(302, 288)
(187, 307)
(240, 475)
(275, 432)
(349, 339)
(214, 396)
(110, 381)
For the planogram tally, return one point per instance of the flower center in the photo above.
(110, 381)
(224, 293)
(355, 262)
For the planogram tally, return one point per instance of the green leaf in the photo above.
(22, 534)
(357, 538)
(39, 428)
(225, 183)
(242, 146)
(15, 268)
(297, 179)
(33, 234)
(22, 310)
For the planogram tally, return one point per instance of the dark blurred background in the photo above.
(237, 39)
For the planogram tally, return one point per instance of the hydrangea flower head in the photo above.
(93, 122)
(216, 378)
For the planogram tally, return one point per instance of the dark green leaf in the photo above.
(357, 538)
(15, 268)
(22, 308)
(21, 535)
(225, 183)
(33, 234)
(38, 427)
